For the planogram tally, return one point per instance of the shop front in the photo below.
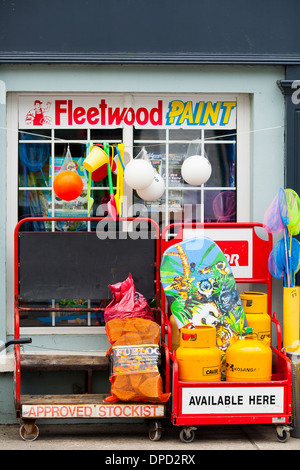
(239, 128)
(54, 109)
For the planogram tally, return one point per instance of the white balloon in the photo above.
(139, 174)
(196, 170)
(154, 191)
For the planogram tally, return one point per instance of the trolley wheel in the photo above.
(187, 434)
(155, 431)
(282, 434)
(29, 431)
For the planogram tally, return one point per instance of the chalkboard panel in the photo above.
(78, 265)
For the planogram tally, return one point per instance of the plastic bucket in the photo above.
(96, 158)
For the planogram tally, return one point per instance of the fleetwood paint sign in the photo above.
(112, 111)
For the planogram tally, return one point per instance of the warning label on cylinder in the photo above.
(224, 400)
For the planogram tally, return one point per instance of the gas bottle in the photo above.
(199, 359)
(248, 360)
(255, 308)
(175, 333)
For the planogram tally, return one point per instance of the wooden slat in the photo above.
(63, 362)
(86, 398)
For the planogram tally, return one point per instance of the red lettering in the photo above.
(55, 411)
(48, 410)
(119, 412)
(116, 116)
(92, 116)
(59, 110)
(158, 113)
(135, 410)
(102, 107)
(31, 412)
(102, 410)
(124, 411)
(39, 410)
(64, 411)
(88, 411)
(131, 113)
(139, 119)
(78, 115)
(147, 410)
(70, 112)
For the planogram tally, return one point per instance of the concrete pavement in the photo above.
(115, 437)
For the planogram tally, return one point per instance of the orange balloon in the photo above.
(67, 185)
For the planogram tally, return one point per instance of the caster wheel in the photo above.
(29, 432)
(187, 435)
(155, 435)
(155, 431)
(283, 436)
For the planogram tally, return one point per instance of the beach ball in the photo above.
(154, 191)
(196, 170)
(139, 174)
(68, 185)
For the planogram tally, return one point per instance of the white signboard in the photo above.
(229, 400)
(237, 246)
(112, 111)
(92, 411)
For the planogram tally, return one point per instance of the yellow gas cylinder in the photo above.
(248, 360)
(175, 333)
(255, 306)
(199, 359)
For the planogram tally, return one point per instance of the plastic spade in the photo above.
(90, 200)
(120, 168)
(111, 205)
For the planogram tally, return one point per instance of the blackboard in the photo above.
(78, 265)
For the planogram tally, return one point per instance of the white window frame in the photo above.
(242, 189)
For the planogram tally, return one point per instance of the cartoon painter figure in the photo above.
(36, 116)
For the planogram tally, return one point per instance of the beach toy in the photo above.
(279, 267)
(111, 205)
(139, 173)
(68, 185)
(101, 172)
(283, 214)
(90, 200)
(95, 159)
(196, 168)
(120, 175)
(154, 191)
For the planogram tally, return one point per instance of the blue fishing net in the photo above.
(280, 265)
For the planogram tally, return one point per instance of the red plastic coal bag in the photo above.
(126, 302)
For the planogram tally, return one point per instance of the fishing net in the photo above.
(280, 264)
(33, 156)
(293, 211)
(275, 218)
(283, 212)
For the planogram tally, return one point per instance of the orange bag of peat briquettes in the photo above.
(134, 358)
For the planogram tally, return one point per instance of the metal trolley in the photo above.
(54, 264)
(193, 404)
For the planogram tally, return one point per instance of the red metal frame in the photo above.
(282, 374)
(17, 374)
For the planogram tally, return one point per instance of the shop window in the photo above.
(215, 201)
